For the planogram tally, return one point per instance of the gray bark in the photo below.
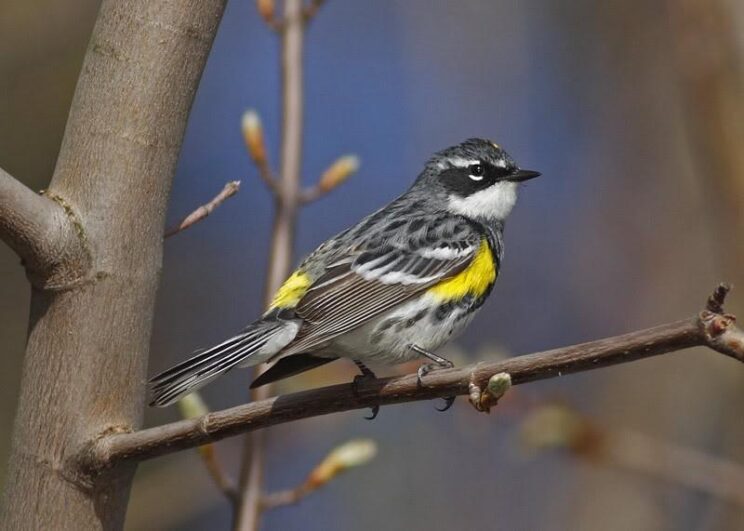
(86, 358)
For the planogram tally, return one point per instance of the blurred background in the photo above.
(633, 111)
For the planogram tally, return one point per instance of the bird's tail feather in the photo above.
(254, 345)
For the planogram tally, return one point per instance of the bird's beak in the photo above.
(522, 175)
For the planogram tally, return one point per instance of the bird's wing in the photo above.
(387, 272)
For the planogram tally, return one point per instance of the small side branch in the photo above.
(213, 465)
(41, 232)
(192, 406)
(335, 175)
(352, 454)
(702, 330)
(229, 190)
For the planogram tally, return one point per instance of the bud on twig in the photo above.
(496, 388)
(254, 141)
(338, 172)
(354, 453)
(498, 385)
(266, 10)
(229, 190)
(253, 136)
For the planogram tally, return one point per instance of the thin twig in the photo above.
(715, 331)
(312, 194)
(284, 497)
(267, 175)
(335, 175)
(219, 475)
(229, 190)
(192, 406)
(351, 454)
(287, 199)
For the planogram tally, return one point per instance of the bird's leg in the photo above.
(366, 371)
(439, 363)
(366, 375)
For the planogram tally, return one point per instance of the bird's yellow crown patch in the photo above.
(473, 280)
(291, 291)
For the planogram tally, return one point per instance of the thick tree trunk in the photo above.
(85, 365)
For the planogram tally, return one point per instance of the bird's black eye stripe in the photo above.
(476, 170)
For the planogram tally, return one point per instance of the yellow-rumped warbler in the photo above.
(390, 289)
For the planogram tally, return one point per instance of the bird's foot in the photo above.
(439, 363)
(359, 381)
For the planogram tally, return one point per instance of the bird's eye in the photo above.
(476, 171)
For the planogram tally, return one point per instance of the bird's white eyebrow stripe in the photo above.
(462, 163)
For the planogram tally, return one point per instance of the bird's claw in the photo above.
(374, 410)
(448, 401)
(439, 363)
(360, 379)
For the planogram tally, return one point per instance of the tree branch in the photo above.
(229, 190)
(714, 330)
(41, 233)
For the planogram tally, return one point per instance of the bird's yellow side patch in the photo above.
(474, 279)
(291, 291)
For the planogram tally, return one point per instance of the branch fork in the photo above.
(267, 10)
(46, 233)
(720, 328)
(336, 174)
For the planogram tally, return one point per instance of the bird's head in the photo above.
(476, 179)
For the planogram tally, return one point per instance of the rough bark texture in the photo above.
(85, 364)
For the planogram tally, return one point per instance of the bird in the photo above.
(391, 289)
